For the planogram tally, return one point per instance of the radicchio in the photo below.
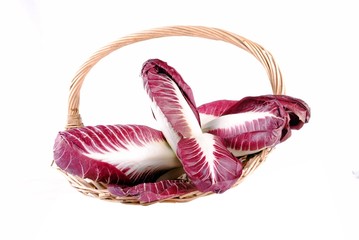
(208, 163)
(298, 110)
(254, 123)
(126, 154)
(173, 104)
(205, 159)
(250, 127)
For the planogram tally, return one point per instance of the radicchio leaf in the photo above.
(172, 101)
(205, 159)
(297, 113)
(151, 192)
(208, 163)
(298, 110)
(125, 154)
(250, 127)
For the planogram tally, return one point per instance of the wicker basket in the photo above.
(99, 190)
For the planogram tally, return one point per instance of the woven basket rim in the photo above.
(74, 120)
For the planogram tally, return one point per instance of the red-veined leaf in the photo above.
(208, 163)
(298, 110)
(250, 127)
(114, 153)
(172, 101)
(151, 192)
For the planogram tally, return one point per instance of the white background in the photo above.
(304, 190)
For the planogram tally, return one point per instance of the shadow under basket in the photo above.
(250, 162)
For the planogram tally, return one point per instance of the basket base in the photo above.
(99, 190)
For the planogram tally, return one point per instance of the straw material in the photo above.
(99, 190)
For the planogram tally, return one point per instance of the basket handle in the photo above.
(273, 71)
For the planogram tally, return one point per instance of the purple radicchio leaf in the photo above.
(298, 110)
(205, 159)
(208, 163)
(248, 126)
(151, 192)
(172, 101)
(125, 154)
